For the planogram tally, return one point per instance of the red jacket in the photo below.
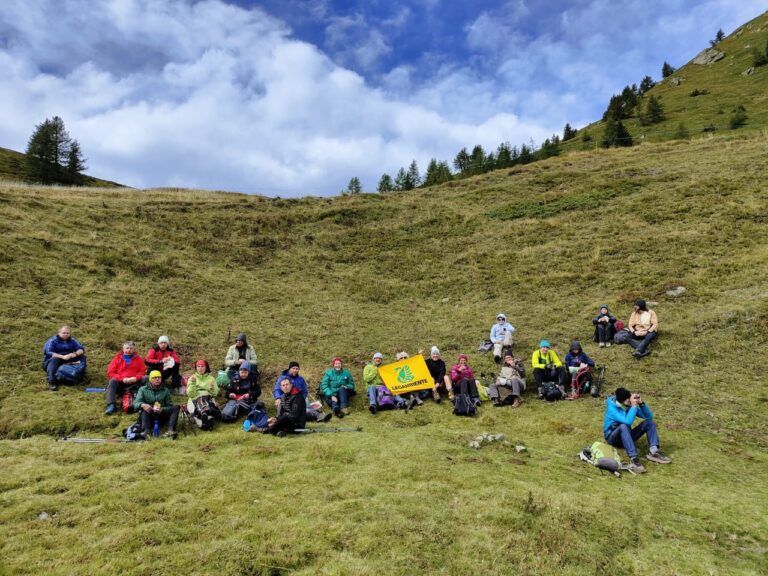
(156, 356)
(119, 370)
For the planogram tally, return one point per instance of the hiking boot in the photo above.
(637, 354)
(281, 434)
(373, 409)
(52, 386)
(436, 396)
(418, 400)
(326, 417)
(602, 344)
(410, 403)
(516, 402)
(345, 411)
(172, 434)
(659, 458)
(451, 395)
(497, 359)
(607, 344)
(337, 411)
(595, 393)
(635, 466)
(111, 408)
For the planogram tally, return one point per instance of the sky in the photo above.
(294, 97)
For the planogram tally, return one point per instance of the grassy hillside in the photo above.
(12, 169)
(312, 278)
(725, 85)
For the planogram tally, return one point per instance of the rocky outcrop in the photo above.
(708, 56)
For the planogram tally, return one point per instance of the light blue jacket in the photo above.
(616, 414)
(497, 331)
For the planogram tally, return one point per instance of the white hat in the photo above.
(163, 339)
(402, 355)
(435, 350)
(502, 316)
(378, 355)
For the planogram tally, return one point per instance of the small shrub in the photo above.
(738, 117)
(710, 128)
(696, 92)
(681, 133)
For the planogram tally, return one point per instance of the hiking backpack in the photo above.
(71, 373)
(463, 405)
(551, 391)
(134, 433)
(603, 456)
(384, 398)
(257, 418)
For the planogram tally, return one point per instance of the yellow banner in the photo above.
(406, 375)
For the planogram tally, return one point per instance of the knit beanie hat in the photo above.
(435, 350)
(293, 364)
(622, 395)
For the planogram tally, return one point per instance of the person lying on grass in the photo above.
(59, 349)
(336, 387)
(621, 410)
(154, 404)
(509, 386)
(291, 413)
(126, 370)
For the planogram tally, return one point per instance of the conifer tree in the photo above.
(52, 156)
(401, 180)
(504, 155)
(461, 162)
(667, 70)
(385, 184)
(654, 112)
(414, 179)
(646, 84)
(615, 134)
(354, 186)
(569, 132)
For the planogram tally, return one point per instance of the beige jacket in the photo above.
(642, 322)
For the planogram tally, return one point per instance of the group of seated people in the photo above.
(64, 360)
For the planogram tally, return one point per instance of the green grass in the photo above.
(12, 169)
(726, 89)
(312, 278)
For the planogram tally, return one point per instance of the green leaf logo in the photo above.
(404, 374)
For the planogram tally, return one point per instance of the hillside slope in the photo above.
(12, 169)
(309, 279)
(722, 86)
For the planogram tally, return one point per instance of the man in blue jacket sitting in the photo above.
(620, 413)
(62, 349)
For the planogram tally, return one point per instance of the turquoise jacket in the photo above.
(616, 414)
(333, 380)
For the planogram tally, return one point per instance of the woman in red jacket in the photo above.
(163, 358)
(463, 379)
(126, 370)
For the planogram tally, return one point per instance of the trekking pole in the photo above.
(325, 430)
(75, 440)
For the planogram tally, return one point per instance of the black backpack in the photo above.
(551, 392)
(463, 405)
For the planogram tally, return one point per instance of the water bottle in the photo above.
(156, 430)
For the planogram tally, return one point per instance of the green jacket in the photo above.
(233, 354)
(201, 385)
(371, 375)
(148, 395)
(333, 380)
(539, 361)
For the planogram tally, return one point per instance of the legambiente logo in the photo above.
(404, 374)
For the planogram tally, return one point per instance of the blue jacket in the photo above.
(56, 345)
(298, 382)
(616, 414)
(573, 360)
(497, 331)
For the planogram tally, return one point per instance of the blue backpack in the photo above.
(71, 373)
(257, 418)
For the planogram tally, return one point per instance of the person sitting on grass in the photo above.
(620, 413)
(576, 359)
(605, 327)
(463, 379)
(374, 385)
(60, 349)
(547, 367)
(201, 391)
(336, 388)
(438, 372)
(292, 373)
(238, 353)
(163, 358)
(509, 386)
(641, 329)
(125, 371)
(291, 413)
(243, 387)
(501, 336)
(153, 402)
